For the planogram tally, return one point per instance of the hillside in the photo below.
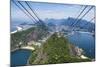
(55, 50)
(21, 38)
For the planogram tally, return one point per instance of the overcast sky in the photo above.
(47, 10)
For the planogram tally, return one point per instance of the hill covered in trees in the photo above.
(21, 38)
(55, 50)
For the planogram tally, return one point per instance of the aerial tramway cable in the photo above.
(83, 15)
(33, 11)
(88, 22)
(23, 11)
(27, 11)
(79, 15)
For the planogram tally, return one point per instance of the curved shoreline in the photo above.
(28, 47)
(25, 48)
(15, 50)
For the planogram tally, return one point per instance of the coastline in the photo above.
(15, 49)
(24, 47)
(28, 60)
(28, 48)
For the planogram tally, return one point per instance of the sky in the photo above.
(50, 11)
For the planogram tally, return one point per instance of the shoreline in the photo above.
(24, 47)
(28, 48)
(83, 57)
(28, 60)
(13, 50)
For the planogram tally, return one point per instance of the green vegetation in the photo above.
(55, 50)
(21, 38)
(32, 57)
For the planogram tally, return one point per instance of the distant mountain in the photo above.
(83, 24)
(54, 21)
(24, 23)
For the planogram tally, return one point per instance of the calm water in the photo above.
(19, 57)
(84, 41)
